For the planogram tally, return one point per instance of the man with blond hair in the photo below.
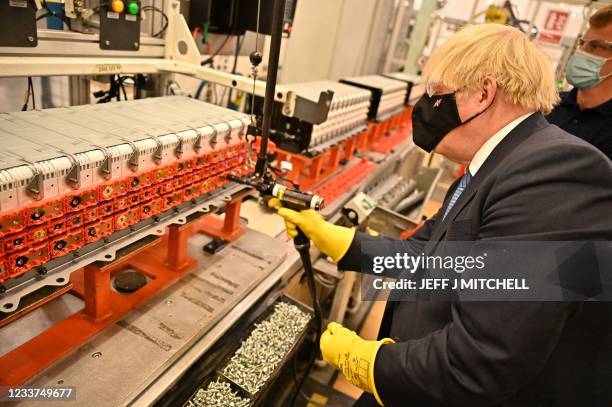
(487, 90)
(586, 110)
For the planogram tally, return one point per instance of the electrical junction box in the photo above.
(359, 208)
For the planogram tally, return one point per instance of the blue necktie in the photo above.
(463, 183)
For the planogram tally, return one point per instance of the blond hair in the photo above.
(519, 68)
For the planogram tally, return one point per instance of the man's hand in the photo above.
(331, 239)
(347, 352)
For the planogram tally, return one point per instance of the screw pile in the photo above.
(217, 394)
(258, 356)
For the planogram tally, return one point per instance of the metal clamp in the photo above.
(106, 169)
(36, 186)
(213, 138)
(242, 127)
(134, 160)
(158, 153)
(178, 151)
(197, 144)
(73, 178)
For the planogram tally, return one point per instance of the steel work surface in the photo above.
(121, 361)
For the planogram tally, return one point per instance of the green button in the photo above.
(133, 8)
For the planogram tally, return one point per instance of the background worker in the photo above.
(586, 110)
(487, 88)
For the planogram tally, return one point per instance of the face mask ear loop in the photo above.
(608, 75)
(606, 60)
(479, 113)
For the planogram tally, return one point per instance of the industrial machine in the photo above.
(388, 95)
(407, 78)
(237, 16)
(329, 158)
(347, 117)
(73, 176)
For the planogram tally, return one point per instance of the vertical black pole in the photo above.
(278, 20)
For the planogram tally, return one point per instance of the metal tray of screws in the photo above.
(218, 391)
(258, 396)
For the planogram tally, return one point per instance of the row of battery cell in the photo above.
(42, 212)
(39, 243)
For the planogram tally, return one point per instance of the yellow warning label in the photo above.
(108, 68)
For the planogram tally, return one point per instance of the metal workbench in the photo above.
(136, 359)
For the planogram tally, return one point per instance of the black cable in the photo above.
(123, 91)
(209, 60)
(302, 244)
(31, 86)
(116, 86)
(51, 13)
(28, 93)
(114, 90)
(122, 84)
(279, 176)
(296, 382)
(164, 17)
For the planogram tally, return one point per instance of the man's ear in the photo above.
(489, 89)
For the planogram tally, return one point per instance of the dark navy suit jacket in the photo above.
(538, 184)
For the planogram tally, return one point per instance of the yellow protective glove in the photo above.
(347, 352)
(333, 240)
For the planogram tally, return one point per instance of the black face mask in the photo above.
(433, 117)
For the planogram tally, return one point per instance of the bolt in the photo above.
(30, 38)
(259, 355)
(136, 45)
(96, 355)
(106, 42)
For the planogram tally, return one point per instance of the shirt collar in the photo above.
(570, 99)
(487, 148)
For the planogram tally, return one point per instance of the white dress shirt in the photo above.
(487, 148)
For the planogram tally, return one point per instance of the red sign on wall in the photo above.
(554, 25)
(556, 20)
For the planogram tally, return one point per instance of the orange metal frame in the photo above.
(309, 171)
(162, 261)
(385, 136)
(325, 174)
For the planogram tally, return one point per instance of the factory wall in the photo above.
(332, 38)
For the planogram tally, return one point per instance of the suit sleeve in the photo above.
(489, 351)
(355, 256)
(381, 246)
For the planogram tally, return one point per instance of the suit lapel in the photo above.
(519, 134)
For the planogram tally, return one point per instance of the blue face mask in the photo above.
(583, 69)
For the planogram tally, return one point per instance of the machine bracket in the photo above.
(106, 169)
(134, 160)
(178, 151)
(307, 110)
(35, 187)
(158, 153)
(197, 144)
(73, 178)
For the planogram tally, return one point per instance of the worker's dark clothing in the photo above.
(539, 184)
(592, 125)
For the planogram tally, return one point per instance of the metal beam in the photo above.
(419, 35)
